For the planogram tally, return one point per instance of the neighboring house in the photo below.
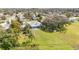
(21, 16)
(34, 24)
(74, 19)
(23, 25)
(10, 18)
(5, 25)
(7, 22)
(34, 17)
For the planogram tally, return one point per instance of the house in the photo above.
(23, 25)
(21, 16)
(34, 24)
(34, 17)
(5, 25)
(74, 19)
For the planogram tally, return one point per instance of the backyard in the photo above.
(68, 40)
(58, 40)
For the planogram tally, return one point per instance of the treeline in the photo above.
(44, 10)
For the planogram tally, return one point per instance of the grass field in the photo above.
(58, 41)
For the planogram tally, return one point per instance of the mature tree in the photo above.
(55, 22)
(69, 14)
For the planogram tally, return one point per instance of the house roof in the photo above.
(34, 23)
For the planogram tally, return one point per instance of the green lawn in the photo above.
(57, 40)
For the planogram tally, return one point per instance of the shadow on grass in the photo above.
(52, 31)
(28, 47)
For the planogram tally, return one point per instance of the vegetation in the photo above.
(52, 41)
(56, 23)
(11, 37)
(69, 14)
(56, 31)
(58, 40)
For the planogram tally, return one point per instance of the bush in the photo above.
(8, 40)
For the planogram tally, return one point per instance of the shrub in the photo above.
(8, 40)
